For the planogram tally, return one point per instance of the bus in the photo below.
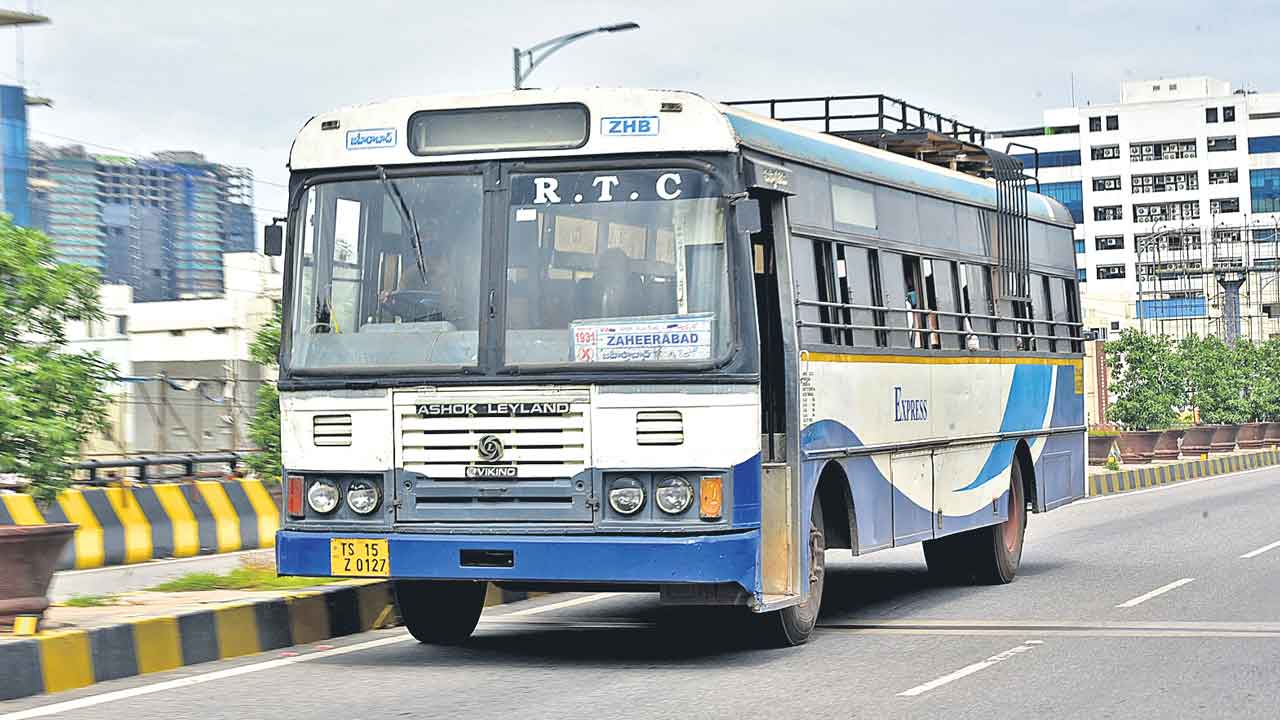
(643, 341)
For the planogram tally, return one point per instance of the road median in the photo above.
(149, 632)
(1112, 482)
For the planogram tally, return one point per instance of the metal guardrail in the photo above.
(143, 463)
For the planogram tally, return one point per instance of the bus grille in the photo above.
(486, 468)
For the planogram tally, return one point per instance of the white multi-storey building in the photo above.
(188, 380)
(1176, 192)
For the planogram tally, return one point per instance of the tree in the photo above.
(1215, 379)
(50, 399)
(264, 429)
(1146, 381)
(1262, 382)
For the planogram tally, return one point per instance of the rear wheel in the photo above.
(440, 612)
(989, 555)
(793, 625)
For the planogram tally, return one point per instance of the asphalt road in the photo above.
(1082, 633)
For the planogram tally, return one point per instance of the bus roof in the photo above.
(685, 122)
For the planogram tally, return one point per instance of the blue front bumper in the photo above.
(731, 557)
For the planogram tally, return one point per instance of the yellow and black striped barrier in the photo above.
(136, 523)
(1119, 481)
(67, 659)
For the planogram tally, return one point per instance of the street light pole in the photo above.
(518, 56)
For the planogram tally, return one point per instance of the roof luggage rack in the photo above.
(895, 125)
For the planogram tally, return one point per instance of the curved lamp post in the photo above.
(536, 54)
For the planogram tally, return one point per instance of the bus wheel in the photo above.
(440, 612)
(792, 626)
(989, 555)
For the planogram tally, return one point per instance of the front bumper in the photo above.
(725, 558)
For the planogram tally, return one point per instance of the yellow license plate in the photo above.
(357, 557)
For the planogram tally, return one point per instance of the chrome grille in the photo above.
(493, 468)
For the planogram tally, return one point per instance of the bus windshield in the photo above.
(616, 267)
(371, 295)
(605, 269)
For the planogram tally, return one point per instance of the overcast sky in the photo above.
(235, 79)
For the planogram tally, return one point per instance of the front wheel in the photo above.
(440, 612)
(793, 625)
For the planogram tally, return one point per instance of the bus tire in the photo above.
(440, 612)
(793, 625)
(988, 555)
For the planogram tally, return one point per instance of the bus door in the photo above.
(783, 544)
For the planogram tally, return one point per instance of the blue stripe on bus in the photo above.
(1025, 410)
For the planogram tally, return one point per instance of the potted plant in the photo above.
(1146, 383)
(50, 399)
(1215, 387)
(1169, 445)
(1101, 442)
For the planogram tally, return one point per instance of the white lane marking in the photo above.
(91, 701)
(1141, 598)
(553, 606)
(969, 669)
(1259, 551)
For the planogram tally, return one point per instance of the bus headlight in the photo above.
(674, 495)
(362, 497)
(626, 496)
(323, 496)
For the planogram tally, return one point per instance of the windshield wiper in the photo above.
(406, 216)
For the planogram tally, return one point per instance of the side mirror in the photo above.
(746, 216)
(273, 240)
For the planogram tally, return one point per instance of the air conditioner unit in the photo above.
(1142, 211)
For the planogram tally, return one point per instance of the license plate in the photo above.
(358, 557)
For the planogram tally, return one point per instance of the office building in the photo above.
(1176, 192)
(159, 224)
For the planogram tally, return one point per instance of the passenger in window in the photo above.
(914, 317)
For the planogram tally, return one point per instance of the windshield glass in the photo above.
(362, 298)
(615, 268)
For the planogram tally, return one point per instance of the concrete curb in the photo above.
(1121, 481)
(68, 659)
(137, 523)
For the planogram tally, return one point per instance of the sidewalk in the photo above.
(1138, 477)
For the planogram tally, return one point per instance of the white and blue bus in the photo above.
(642, 340)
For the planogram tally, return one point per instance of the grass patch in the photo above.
(90, 601)
(250, 576)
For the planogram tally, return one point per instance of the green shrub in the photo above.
(1216, 378)
(1146, 380)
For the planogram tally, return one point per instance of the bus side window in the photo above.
(1050, 328)
(825, 265)
(877, 297)
(894, 297)
(964, 307)
(944, 301)
(921, 297)
(986, 305)
(1061, 314)
(858, 289)
(1073, 313)
(1024, 324)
